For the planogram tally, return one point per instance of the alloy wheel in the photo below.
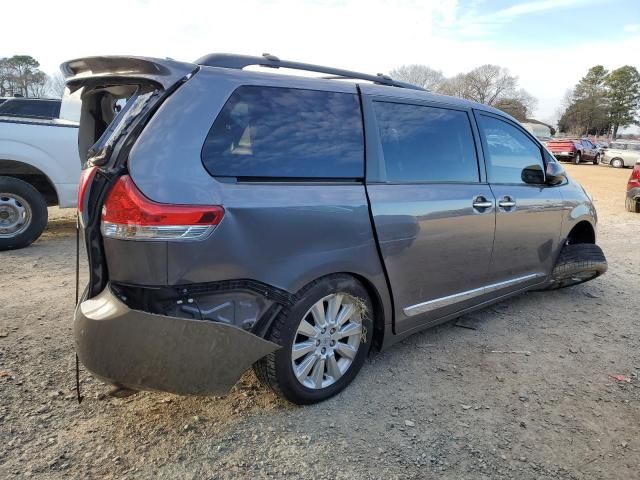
(15, 215)
(327, 340)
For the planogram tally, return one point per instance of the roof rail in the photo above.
(229, 60)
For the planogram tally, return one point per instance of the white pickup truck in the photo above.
(39, 165)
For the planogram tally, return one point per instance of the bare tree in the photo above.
(421, 75)
(489, 83)
(56, 85)
(457, 86)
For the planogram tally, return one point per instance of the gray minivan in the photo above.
(236, 218)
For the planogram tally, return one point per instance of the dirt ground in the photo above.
(439, 404)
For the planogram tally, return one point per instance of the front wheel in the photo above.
(23, 213)
(596, 160)
(577, 263)
(325, 337)
(617, 163)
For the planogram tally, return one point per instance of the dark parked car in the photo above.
(236, 218)
(574, 150)
(633, 190)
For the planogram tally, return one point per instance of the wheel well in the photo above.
(378, 311)
(582, 232)
(33, 176)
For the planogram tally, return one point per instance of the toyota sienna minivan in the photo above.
(236, 218)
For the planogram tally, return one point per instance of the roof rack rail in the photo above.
(229, 60)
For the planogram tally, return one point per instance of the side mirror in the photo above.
(533, 175)
(555, 173)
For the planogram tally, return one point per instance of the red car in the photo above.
(633, 190)
(574, 150)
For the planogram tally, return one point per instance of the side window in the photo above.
(511, 155)
(426, 144)
(31, 108)
(286, 133)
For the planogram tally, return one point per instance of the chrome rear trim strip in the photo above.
(469, 294)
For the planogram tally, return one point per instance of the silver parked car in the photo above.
(621, 154)
(236, 218)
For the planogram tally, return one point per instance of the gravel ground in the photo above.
(440, 404)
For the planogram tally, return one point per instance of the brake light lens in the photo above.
(127, 214)
(86, 177)
(634, 179)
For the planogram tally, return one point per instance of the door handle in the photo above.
(480, 203)
(507, 202)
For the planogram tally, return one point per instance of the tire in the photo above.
(577, 264)
(617, 163)
(23, 213)
(632, 205)
(276, 370)
(577, 158)
(596, 159)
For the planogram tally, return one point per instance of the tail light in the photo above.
(86, 176)
(127, 214)
(634, 179)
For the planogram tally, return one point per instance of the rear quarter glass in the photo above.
(278, 132)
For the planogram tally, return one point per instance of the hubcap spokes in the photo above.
(15, 215)
(327, 341)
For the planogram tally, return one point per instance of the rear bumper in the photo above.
(145, 351)
(563, 155)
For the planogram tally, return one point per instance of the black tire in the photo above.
(577, 264)
(596, 159)
(632, 205)
(38, 213)
(276, 370)
(577, 158)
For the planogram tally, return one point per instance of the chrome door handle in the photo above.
(507, 202)
(481, 203)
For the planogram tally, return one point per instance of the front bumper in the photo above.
(144, 351)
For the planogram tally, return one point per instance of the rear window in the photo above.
(274, 132)
(31, 108)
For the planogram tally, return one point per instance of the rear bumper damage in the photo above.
(145, 351)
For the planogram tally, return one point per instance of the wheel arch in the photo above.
(377, 301)
(378, 309)
(33, 176)
(582, 232)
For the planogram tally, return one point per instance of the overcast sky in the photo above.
(548, 44)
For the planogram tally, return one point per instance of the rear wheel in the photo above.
(325, 338)
(633, 204)
(576, 264)
(23, 213)
(577, 158)
(617, 163)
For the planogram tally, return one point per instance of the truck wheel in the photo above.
(325, 337)
(23, 213)
(617, 163)
(577, 158)
(576, 264)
